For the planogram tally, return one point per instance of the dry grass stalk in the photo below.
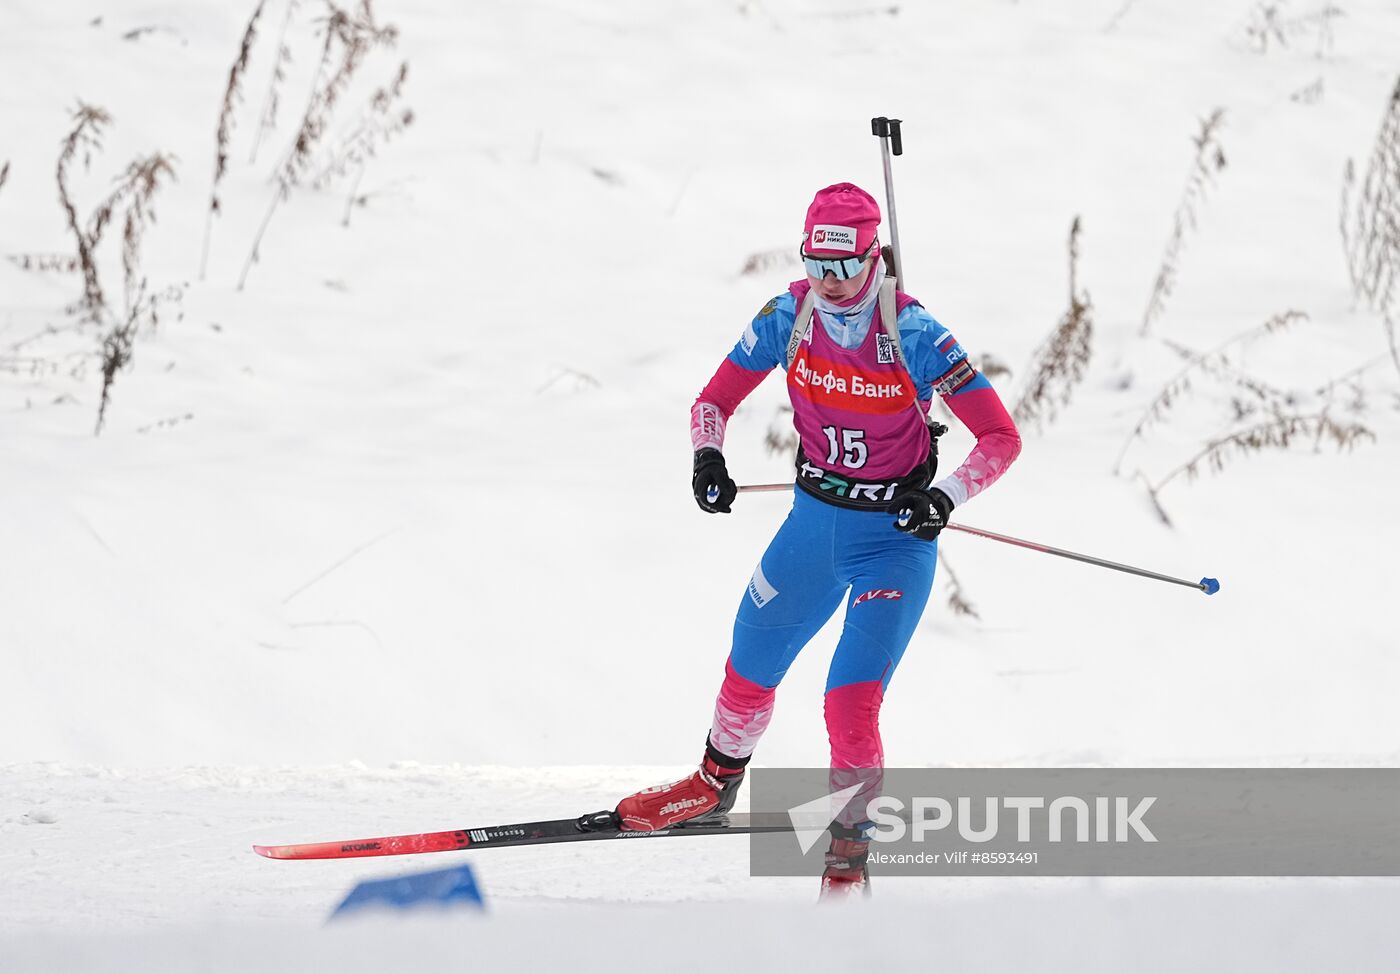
(166, 423)
(1351, 379)
(348, 39)
(1209, 161)
(1061, 362)
(581, 380)
(1371, 227)
(118, 345)
(1268, 24)
(355, 197)
(354, 36)
(780, 439)
(764, 260)
(958, 602)
(1217, 363)
(135, 190)
(143, 177)
(267, 118)
(83, 139)
(4, 173)
(233, 93)
(1308, 94)
(1390, 338)
(378, 125)
(1279, 424)
(1118, 16)
(991, 366)
(45, 263)
(131, 200)
(1280, 431)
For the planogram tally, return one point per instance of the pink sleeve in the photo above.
(998, 444)
(717, 402)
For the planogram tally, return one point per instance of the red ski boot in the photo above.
(704, 796)
(846, 871)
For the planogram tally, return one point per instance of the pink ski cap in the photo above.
(841, 221)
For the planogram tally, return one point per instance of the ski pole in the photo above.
(1207, 585)
(891, 141)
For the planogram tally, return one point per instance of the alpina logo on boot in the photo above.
(682, 805)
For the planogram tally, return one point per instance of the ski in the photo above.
(586, 828)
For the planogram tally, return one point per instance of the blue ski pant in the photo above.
(821, 557)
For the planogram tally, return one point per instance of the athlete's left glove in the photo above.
(714, 490)
(922, 513)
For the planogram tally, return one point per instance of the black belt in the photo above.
(867, 495)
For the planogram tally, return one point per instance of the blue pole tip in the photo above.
(1210, 586)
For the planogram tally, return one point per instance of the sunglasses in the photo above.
(844, 268)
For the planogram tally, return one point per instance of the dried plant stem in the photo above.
(353, 36)
(1156, 501)
(138, 186)
(144, 177)
(1214, 362)
(1118, 15)
(120, 341)
(1328, 387)
(350, 199)
(135, 190)
(1062, 361)
(764, 260)
(957, 600)
(1209, 160)
(278, 196)
(780, 439)
(377, 126)
(1279, 432)
(1371, 228)
(57, 263)
(1348, 248)
(116, 355)
(267, 118)
(224, 134)
(84, 137)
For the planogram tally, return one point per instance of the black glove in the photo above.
(714, 490)
(922, 513)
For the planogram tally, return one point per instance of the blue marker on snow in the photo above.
(454, 888)
(1210, 586)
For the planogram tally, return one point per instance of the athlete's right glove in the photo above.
(714, 490)
(922, 513)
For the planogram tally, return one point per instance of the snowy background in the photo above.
(399, 536)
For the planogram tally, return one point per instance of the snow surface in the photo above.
(387, 540)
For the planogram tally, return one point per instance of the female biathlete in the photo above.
(862, 361)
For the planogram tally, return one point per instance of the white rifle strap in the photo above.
(799, 325)
(889, 318)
